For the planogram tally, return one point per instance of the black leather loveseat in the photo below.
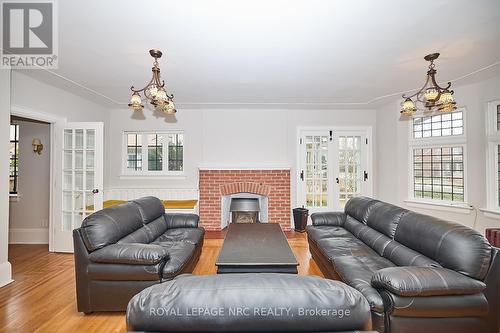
(123, 249)
(418, 273)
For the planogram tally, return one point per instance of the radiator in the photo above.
(493, 236)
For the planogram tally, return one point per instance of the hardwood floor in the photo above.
(42, 298)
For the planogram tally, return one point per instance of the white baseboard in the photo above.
(29, 236)
(5, 274)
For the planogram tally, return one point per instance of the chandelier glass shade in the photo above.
(431, 97)
(154, 92)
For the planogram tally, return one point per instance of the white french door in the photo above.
(334, 165)
(79, 193)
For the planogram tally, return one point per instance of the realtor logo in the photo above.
(28, 34)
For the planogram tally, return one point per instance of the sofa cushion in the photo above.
(107, 226)
(316, 233)
(452, 245)
(385, 218)
(131, 254)
(190, 235)
(150, 208)
(343, 246)
(403, 256)
(148, 233)
(358, 271)
(332, 306)
(359, 208)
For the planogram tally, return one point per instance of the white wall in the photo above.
(392, 154)
(226, 138)
(5, 268)
(37, 95)
(29, 211)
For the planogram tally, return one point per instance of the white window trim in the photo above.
(438, 142)
(493, 136)
(146, 174)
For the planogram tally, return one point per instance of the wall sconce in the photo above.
(37, 146)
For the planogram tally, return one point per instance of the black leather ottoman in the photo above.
(254, 302)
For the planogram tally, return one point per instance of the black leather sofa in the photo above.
(418, 273)
(123, 249)
(254, 302)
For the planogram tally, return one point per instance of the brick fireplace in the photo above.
(214, 184)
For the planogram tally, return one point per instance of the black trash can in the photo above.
(300, 216)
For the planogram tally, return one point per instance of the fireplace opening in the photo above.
(244, 210)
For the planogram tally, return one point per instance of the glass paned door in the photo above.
(316, 172)
(82, 179)
(350, 174)
(333, 167)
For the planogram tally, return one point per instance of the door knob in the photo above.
(95, 191)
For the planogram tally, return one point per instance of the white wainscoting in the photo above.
(163, 194)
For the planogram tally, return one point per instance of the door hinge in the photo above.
(300, 141)
(331, 135)
(366, 140)
(365, 176)
(302, 175)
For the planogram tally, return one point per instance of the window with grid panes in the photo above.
(134, 152)
(438, 169)
(448, 124)
(153, 153)
(14, 159)
(438, 173)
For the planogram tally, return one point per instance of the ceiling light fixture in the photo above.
(431, 97)
(154, 91)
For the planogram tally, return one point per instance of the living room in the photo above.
(342, 154)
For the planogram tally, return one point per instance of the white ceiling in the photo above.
(269, 52)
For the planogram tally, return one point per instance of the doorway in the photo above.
(334, 165)
(29, 181)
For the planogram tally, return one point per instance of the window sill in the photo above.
(161, 176)
(462, 208)
(490, 213)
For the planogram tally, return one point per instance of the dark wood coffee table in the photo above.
(256, 248)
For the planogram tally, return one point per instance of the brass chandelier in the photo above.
(154, 92)
(431, 97)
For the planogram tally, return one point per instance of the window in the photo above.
(14, 159)
(134, 152)
(437, 158)
(493, 163)
(498, 173)
(153, 153)
(438, 173)
(447, 124)
(498, 117)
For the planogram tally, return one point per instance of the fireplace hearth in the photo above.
(244, 210)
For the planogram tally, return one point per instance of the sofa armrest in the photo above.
(330, 218)
(182, 220)
(425, 281)
(131, 254)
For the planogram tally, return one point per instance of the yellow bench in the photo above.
(169, 204)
